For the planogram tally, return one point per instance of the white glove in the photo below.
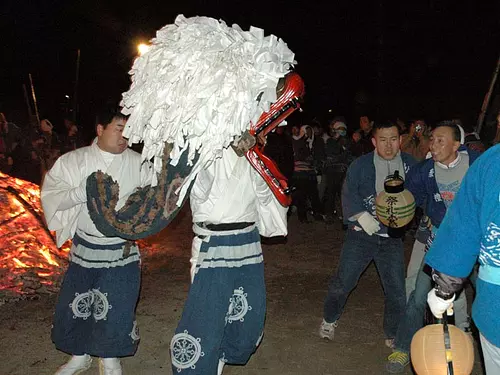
(438, 305)
(369, 224)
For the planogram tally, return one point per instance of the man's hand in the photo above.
(439, 305)
(244, 143)
(369, 224)
(416, 129)
(261, 139)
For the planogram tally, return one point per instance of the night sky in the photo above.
(407, 59)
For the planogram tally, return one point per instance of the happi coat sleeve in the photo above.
(63, 193)
(272, 215)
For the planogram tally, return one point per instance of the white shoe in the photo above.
(110, 366)
(327, 330)
(76, 365)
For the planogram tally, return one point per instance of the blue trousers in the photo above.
(95, 311)
(358, 251)
(223, 317)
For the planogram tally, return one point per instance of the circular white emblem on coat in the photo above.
(101, 305)
(82, 305)
(186, 351)
(238, 306)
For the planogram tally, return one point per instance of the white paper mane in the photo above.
(198, 86)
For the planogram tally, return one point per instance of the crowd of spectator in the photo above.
(29, 152)
(315, 158)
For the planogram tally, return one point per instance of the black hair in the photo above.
(457, 134)
(385, 125)
(105, 116)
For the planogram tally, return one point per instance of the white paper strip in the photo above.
(197, 86)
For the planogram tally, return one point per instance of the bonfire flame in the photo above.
(29, 259)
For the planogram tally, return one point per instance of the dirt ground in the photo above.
(296, 275)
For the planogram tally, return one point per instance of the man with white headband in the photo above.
(434, 183)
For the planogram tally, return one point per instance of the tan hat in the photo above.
(339, 125)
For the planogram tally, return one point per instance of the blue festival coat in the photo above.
(359, 192)
(421, 182)
(471, 231)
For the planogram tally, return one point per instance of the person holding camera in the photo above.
(416, 142)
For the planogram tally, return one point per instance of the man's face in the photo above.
(443, 145)
(45, 126)
(111, 139)
(309, 132)
(364, 123)
(72, 131)
(295, 130)
(386, 142)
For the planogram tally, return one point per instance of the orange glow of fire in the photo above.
(29, 257)
(48, 257)
(19, 263)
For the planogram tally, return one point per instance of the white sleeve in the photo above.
(62, 198)
(272, 215)
(62, 189)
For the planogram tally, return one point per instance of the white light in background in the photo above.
(142, 49)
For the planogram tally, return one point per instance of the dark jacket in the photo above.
(359, 192)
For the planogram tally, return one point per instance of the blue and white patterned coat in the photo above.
(471, 231)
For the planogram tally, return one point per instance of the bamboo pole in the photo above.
(487, 98)
(34, 100)
(75, 90)
(28, 104)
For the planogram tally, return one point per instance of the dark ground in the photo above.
(296, 274)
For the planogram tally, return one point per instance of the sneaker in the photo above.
(327, 330)
(110, 366)
(76, 365)
(397, 362)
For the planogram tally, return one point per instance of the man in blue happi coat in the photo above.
(367, 239)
